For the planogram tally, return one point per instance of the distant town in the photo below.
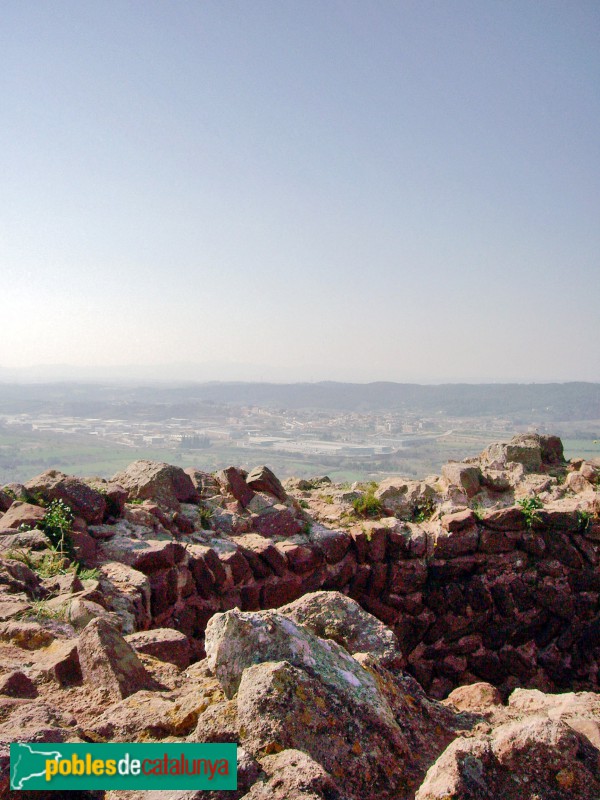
(100, 429)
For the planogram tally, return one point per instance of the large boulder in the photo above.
(155, 480)
(295, 690)
(331, 615)
(83, 501)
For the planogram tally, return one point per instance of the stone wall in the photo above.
(470, 598)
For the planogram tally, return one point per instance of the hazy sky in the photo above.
(323, 188)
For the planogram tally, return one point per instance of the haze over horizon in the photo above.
(311, 191)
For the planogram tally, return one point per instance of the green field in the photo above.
(24, 455)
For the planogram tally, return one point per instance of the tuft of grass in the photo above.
(136, 501)
(40, 610)
(326, 498)
(368, 505)
(530, 506)
(303, 504)
(478, 510)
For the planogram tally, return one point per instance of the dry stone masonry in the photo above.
(318, 625)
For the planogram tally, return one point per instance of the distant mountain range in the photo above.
(542, 401)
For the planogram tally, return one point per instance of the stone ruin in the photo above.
(411, 639)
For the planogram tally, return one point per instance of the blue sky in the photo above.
(301, 190)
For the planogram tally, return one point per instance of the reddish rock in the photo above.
(240, 569)
(166, 644)
(466, 477)
(27, 635)
(153, 480)
(5, 501)
(17, 684)
(233, 481)
(300, 558)
(262, 479)
(156, 555)
(108, 660)
(24, 514)
(590, 471)
(458, 521)
(81, 498)
(60, 663)
(204, 482)
(279, 520)
(115, 495)
(494, 541)
(281, 592)
(458, 543)
(85, 547)
(334, 544)
(377, 537)
(407, 577)
(505, 519)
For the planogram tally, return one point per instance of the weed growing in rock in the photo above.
(40, 610)
(205, 516)
(367, 505)
(88, 574)
(424, 510)
(57, 524)
(530, 506)
(584, 520)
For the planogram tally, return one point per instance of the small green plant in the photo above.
(307, 528)
(87, 574)
(478, 510)
(37, 499)
(57, 524)
(136, 501)
(530, 506)
(326, 498)
(205, 516)
(42, 611)
(303, 504)
(584, 520)
(424, 510)
(51, 564)
(367, 505)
